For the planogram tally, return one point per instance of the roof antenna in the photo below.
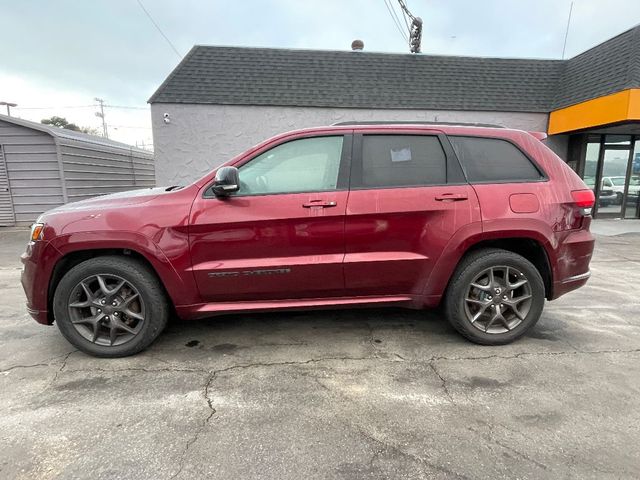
(566, 33)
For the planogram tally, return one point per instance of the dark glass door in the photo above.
(612, 175)
(632, 201)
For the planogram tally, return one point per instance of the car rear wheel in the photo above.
(110, 306)
(495, 297)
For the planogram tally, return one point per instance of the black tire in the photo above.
(139, 277)
(619, 198)
(474, 264)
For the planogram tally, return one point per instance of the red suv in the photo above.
(487, 222)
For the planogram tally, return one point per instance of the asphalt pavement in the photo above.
(341, 394)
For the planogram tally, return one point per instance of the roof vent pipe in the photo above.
(357, 45)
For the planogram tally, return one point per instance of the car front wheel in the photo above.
(495, 297)
(110, 306)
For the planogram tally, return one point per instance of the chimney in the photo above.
(357, 45)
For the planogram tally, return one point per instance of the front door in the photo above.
(281, 236)
(408, 198)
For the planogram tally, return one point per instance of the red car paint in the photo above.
(377, 246)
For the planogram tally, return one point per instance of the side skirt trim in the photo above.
(218, 308)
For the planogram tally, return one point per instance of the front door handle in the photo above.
(319, 203)
(451, 197)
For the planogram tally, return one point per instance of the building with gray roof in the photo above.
(221, 100)
(42, 167)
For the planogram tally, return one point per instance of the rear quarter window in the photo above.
(489, 160)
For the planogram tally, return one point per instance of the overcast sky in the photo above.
(64, 53)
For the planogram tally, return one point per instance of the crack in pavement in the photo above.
(515, 451)
(47, 363)
(312, 360)
(444, 382)
(386, 445)
(534, 354)
(371, 340)
(196, 436)
(62, 366)
(212, 411)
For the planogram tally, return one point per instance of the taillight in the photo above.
(583, 198)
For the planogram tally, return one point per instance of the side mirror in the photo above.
(227, 181)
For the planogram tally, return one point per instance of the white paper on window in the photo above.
(401, 155)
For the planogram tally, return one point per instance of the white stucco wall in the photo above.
(200, 137)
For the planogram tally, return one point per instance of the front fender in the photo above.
(173, 267)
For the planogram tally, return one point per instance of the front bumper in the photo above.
(40, 316)
(37, 265)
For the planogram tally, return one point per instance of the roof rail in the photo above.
(395, 122)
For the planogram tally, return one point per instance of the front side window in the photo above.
(402, 161)
(304, 165)
(493, 160)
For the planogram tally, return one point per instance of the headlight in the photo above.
(37, 231)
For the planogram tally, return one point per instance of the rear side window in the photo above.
(493, 160)
(402, 161)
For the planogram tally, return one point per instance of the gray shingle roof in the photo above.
(606, 68)
(319, 78)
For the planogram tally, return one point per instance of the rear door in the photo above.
(407, 199)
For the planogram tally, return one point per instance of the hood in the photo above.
(113, 200)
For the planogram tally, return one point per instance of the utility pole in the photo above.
(100, 114)
(9, 105)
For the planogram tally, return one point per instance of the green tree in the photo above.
(60, 122)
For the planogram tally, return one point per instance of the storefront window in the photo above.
(632, 207)
(591, 164)
(614, 171)
(617, 139)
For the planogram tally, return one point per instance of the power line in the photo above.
(82, 106)
(395, 20)
(395, 13)
(415, 30)
(159, 29)
(404, 16)
(566, 33)
(127, 107)
(53, 108)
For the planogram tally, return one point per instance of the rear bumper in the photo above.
(569, 284)
(572, 264)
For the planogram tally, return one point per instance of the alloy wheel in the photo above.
(498, 299)
(106, 309)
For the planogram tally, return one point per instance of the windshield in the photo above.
(618, 181)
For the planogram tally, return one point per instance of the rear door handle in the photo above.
(319, 203)
(451, 197)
